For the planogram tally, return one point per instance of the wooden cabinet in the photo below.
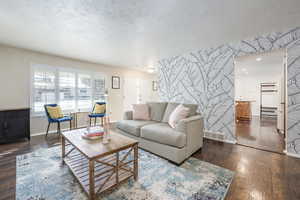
(243, 110)
(14, 124)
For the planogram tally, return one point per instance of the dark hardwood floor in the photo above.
(8, 153)
(260, 133)
(260, 175)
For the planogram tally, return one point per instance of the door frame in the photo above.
(285, 52)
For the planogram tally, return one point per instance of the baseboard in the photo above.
(295, 155)
(50, 132)
(37, 134)
(218, 136)
(220, 140)
(66, 129)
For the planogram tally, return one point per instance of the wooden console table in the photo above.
(99, 167)
(243, 110)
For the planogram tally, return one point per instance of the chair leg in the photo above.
(58, 128)
(70, 124)
(101, 121)
(90, 121)
(47, 129)
(95, 121)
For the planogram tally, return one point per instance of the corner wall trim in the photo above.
(41, 133)
(50, 132)
(291, 154)
(66, 129)
(220, 140)
(217, 136)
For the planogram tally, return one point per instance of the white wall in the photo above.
(248, 88)
(15, 80)
(137, 90)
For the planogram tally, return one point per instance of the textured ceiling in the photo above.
(137, 33)
(270, 65)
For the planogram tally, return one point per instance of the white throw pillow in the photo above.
(179, 113)
(140, 112)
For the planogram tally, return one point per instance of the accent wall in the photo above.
(206, 77)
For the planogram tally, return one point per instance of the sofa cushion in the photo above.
(99, 108)
(132, 126)
(164, 134)
(193, 109)
(55, 112)
(157, 110)
(180, 112)
(140, 112)
(171, 107)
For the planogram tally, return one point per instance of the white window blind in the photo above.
(73, 90)
(43, 89)
(84, 91)
(67, 85)
(99, 89)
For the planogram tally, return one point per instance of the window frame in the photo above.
(56, 69)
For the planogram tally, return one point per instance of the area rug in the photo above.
(41, 176)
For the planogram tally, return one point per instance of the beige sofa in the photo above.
(158, 137)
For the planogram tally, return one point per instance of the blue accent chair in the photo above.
(58, 121)
(95, 116)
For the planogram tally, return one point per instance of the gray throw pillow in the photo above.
(157, 110)
(193, 109)
(171, 107)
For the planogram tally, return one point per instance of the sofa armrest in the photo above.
(193, 128)
(128, 115)
(194, 122)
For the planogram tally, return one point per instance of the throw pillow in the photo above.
(55, 112)
(170, 108)
(180, 112)
(193, 109)
(99, 109)
(140, 112)
(157, 110)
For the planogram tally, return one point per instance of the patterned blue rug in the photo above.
(41, 176)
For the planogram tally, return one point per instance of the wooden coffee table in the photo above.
(99, 167)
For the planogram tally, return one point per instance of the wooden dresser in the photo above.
(243, 110)
(14, 124)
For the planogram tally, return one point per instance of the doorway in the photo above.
(260, 100)
(136, 91)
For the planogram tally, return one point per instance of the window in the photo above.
(99, 89)
(66, 86)
(73, 90)
(43, 89)
(84, 91)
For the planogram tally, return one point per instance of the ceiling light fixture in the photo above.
(244, 71)
(150, 70)
(258, 59)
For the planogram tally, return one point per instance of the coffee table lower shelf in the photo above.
(99, 175)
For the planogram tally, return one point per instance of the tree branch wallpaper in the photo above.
(206, 77)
